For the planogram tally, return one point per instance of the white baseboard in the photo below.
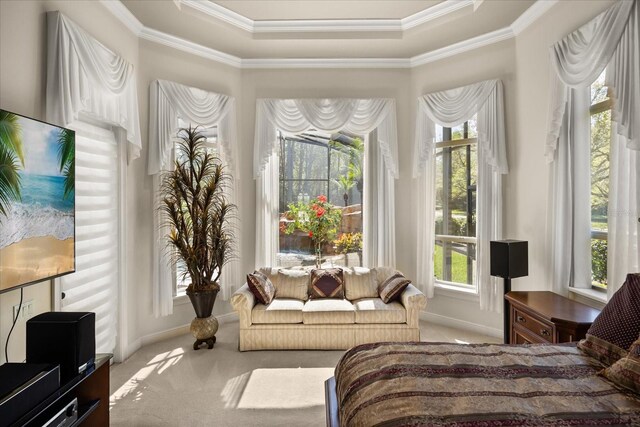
(439, 319)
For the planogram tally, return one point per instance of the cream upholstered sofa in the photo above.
(293, 321)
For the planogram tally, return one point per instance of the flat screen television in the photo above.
(37, 201)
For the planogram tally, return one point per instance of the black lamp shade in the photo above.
(509, 258)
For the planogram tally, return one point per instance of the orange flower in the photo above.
(322, 199)
(311, 234)
(319, 212)
(314, 207)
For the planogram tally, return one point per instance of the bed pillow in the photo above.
(327, 283)
(626, 371)
(617, 326)
(360, 282)
(392, 288)
(261, 287)
(293, 284)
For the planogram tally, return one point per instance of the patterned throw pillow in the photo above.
(327, 283)
(261, 287)
(392, 288)
(626, 371)
(617, 326)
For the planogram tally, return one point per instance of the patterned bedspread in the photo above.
(428, 384)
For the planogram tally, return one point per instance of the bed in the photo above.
(442, 384)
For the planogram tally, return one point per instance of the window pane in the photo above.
(600, 144)
(599, 90)
(304, 160)
(331, 165)
(455, 262)
(599, 263)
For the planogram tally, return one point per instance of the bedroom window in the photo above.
(600, 111)
(181, 282)
(312, 165)
(456, 186)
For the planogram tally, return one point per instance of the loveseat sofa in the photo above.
(294, 321)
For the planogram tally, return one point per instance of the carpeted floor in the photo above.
(169, 384)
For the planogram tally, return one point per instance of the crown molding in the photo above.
(539, 8)
(189, 47)
(125, 16)
(531, 15)
(326, 63)
(463, 46)
(325, 25)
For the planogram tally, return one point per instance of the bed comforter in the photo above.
(429, 384)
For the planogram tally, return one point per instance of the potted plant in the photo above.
(201, 238)
(318, 218)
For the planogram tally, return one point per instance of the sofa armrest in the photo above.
(413, 301)
(243, 301)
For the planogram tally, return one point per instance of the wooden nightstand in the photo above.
(546, 317)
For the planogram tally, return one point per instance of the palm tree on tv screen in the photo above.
(66, 155)
(11, 159)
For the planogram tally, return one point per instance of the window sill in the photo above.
(181, 299)
(459, 292)
(590, 293)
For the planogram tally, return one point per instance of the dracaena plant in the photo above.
(196, 210)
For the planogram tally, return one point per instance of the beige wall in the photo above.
(521, 63)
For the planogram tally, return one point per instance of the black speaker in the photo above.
(64, 338)
(509, 258)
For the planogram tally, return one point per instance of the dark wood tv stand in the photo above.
(90, 388)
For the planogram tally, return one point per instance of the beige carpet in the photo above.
(170, 384)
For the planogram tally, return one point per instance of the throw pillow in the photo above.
(360, 282)
(261, 287)
(617, 326)
(327, 283)
(293, 284)
(626, 371)
(392, 288)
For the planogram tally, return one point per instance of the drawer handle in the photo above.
(545, 332)
(521, 319)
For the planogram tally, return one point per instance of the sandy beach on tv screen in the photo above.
(34, 259)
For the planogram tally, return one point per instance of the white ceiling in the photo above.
(320, 29)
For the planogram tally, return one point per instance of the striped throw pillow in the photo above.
(626, 371)
(261, 287)
(327, 283)
(392, 288)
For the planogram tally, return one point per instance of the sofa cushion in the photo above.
(281, 310)
(292, 284)
(360, 282)
(328, 311)
(261, 287)
(617, 326)
(327, 283)
(392, 288)
(374, 310)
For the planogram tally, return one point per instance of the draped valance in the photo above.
(610, 39)
(360, 116)
(170, 101)
(85, 77)
(455, 106)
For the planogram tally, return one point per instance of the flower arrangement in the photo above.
(318, 218)
(349, 242)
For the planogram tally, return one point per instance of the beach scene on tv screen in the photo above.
(37, 200)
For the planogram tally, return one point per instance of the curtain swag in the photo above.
(170, 101)
(611, 41)
(360, 116)
(85, 77)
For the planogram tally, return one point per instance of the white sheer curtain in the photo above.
(169, 102)
(610, 40)
(450, 108)
(360, 116)
(84, 77)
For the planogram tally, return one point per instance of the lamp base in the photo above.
(506, 311)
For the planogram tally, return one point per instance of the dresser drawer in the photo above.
(543, 330)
